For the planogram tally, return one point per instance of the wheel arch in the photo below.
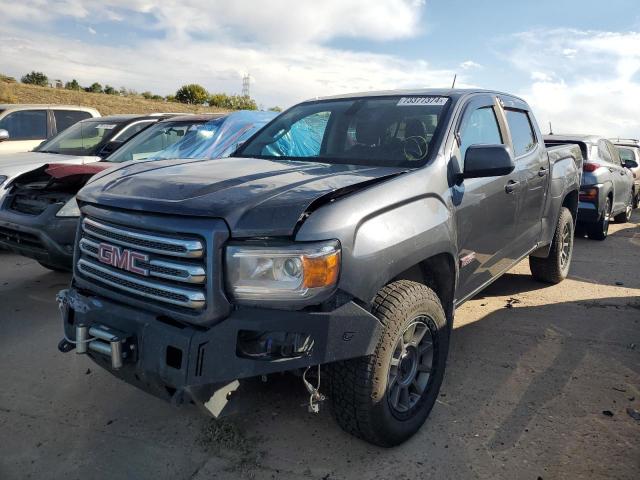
(439, 273)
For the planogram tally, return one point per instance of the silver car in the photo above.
(629, 150)
(606, 191)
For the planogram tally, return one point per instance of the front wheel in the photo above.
(386, 397)
(555, 267)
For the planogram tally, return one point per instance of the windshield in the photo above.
(84, 138)
(387, 131)
(156, 139)
(217, 138)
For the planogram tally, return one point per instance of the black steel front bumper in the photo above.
(44, 237)
(170, 360)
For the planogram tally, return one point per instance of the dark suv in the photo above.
(606, 190)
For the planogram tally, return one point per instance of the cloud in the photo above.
(288, 47)
(469, 65)
(582, 81)
(274, 21)
(281, 76)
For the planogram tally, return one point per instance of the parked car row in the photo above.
(38, 217)
(336, 240)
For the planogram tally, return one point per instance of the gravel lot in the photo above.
(523, 397)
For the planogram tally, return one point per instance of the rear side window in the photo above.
(26, 125)
(522, 135)
(66, 118)
(613, 151)
(603, 151)
(479, 128)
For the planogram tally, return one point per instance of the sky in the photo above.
(576, 62)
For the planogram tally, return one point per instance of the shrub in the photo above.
(109, 90)
(193, 94)
(72, 85)
(232, 102)
(275, 109)
(35, 78)
(94, 88)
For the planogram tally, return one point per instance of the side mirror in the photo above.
(487, 161)
(4, 135)
(627, 163)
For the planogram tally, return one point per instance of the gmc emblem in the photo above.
(122, 258)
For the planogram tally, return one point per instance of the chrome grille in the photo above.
(148, 243)
(161, 276)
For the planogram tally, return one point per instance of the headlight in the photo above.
(299, 272)
(3, 178)
(70, 209)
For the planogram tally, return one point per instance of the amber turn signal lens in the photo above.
(589, 195)
(321, 271)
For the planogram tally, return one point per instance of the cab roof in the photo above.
(454, 93)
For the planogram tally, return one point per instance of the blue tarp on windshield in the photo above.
(217, 138)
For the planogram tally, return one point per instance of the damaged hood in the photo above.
(62, 170)
(254, 196)
(16, 164)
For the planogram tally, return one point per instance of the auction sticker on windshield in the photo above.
(409, 101)
(106, 126)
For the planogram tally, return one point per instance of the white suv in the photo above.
(24, 127)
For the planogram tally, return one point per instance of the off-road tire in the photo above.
(600, 229)
(555, 267)
(358, 387)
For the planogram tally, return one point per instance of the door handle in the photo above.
(511, 186)
(542, 172)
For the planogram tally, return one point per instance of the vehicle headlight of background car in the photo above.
(70, 209)
(290, 273)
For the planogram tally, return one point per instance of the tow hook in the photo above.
(315, 397)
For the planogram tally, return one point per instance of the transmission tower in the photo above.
(246, 85)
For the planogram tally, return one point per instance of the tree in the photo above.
(35, 78)
(193, 94)
(275, 109)
(232, 102)
(109, 90)
(170, 98)
(72, 85)
(94, 88)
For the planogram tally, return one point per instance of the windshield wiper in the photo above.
(48, 151)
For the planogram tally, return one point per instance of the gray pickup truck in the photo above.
(337, 241)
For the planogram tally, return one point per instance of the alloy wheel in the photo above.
(411, 366)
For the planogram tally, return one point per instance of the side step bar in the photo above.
(101, 340)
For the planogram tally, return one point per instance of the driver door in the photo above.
(485, 208)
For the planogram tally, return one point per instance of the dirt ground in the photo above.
(532, 370)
